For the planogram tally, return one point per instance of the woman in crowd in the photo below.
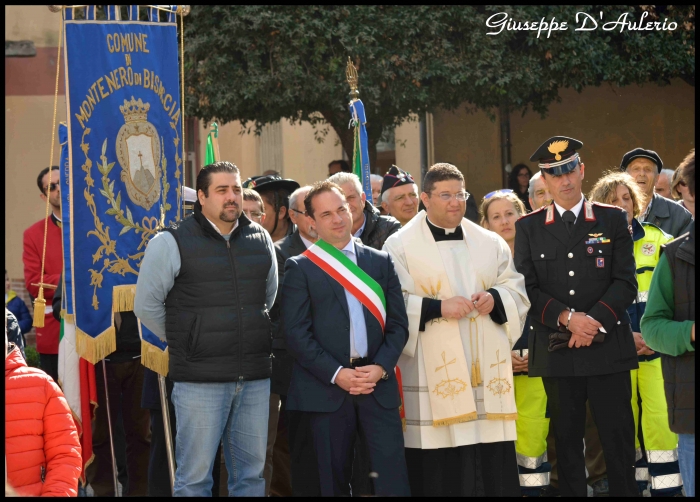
(499, 212)
(620, 189)
(42, 450)
(519, 181)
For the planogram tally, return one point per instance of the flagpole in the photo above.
(166, 427)
(109, 426)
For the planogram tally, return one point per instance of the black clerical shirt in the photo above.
(432, 309)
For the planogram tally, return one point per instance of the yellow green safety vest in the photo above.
(647, 252)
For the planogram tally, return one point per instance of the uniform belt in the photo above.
(358, 361)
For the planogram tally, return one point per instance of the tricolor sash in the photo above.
(355, 280)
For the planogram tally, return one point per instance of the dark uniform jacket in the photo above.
(563, 272)
(378, 228)
(282, 361)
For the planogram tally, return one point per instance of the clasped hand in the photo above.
(583, 329)
(458, 307)
(360, 380)
(520, 363)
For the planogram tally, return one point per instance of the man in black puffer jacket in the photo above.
(367, 224)
(206, 285)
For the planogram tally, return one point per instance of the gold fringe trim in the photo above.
(501, 416)
(155, 359)
(123, 298)
(403, 424)
(479, 381)
(94, 349)
(475, 382)
(68, 318)
(455, 420)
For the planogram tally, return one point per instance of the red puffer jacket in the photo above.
(42, 449)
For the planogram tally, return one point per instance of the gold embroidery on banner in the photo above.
(498, 385)
(451, 386)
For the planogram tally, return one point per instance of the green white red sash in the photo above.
(355, 280)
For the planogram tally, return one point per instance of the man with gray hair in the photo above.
(278, 462)
(376, 182)
(663, 183)
(538, 192)
(367, 224)
(399, 195)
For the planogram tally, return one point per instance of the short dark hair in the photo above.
(279, 198)
(441, 172)
(43, 173)
(252, 196)
(344, 166)
(316, 189)
(687, 169)
(204, 175)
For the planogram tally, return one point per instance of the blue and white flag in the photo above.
(360, 158)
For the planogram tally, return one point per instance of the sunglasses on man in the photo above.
(51, 187)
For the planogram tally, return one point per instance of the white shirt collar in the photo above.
(306, 241)
(350, 246)
(576, 209)
(219, 231)
(361, 229)
(448, 231)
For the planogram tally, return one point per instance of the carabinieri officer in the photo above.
(578, 262)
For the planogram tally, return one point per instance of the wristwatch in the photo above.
(385, 375)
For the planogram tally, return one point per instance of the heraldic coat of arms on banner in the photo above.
(138, 151)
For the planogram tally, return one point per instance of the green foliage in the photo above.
(32, 356)
(259, 64)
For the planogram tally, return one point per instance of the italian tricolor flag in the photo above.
(341, 268)
(76, 377)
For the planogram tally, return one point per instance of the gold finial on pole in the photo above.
(351, 75)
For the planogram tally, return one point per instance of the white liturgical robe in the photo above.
(480, 261)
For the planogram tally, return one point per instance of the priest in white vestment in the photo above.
(466, 304)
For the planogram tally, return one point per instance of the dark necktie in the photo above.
(569, 219)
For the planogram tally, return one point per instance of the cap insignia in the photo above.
(556, 147)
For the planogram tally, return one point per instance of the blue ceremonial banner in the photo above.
(67, 298)
(361, 152)
(125, 157)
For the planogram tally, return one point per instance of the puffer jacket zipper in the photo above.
(240, 310)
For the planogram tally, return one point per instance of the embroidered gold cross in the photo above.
(445, 365)
(497, 364)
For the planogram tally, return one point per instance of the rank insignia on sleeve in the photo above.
(600, 262)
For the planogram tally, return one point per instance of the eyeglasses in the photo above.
(253, 214)
(502, 190)
(297, 211)
(51, 187)
(460, 196)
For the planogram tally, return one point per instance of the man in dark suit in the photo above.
(346, 325)
(579, 273)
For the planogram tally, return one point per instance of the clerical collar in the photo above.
(445, 234)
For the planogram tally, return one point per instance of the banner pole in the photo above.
(166, 427)
(109, 425)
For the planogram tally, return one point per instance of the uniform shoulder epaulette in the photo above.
(533, 212)
(600, 204)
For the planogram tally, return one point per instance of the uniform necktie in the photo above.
(569, 219)
(360, 342)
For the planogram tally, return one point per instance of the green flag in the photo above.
(212, 154)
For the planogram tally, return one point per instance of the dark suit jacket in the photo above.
(317, 328)
(561, 272)
(282, 360)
